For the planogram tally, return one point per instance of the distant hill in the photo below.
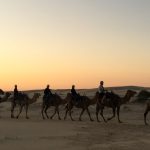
(122, 88)
(129, 88)
(136, 88)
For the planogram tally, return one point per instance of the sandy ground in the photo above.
(37, 134)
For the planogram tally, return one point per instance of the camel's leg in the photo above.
(12, 109)
(58, 113)
(68, 109)
(42, 111)
(118, 114)
(65, 117)
(114, 113)
(102, 114)
(20, 111)
(26, 107)
(97, 112)
(83, 109)
(54, 113)
(46, 108)
(89, 114)
(70, 114)
(145, 115)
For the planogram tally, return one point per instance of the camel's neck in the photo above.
(63, 101)
(93, 100)
(33, 99)
(126, 98)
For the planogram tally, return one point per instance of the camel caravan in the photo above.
(101, 99)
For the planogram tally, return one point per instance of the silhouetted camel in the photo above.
(84, 103)
(146, 112)
(55, 100)
(23, 101)
(114, 101)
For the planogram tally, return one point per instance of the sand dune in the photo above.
(37, 134)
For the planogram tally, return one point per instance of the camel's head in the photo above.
(8, 94)
(131, 93)
(57, 96)
(69, 95)
(37, 95)
(1, 92)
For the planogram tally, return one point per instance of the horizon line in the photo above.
(122, 86)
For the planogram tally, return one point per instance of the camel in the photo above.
(146, 112)
(113, 101)
(24, 101)
(55, 101)
(5, 98)
(84, 105)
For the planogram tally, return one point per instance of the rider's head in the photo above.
(15, 85)
(48, 86)
(101, 82)
(73, 86)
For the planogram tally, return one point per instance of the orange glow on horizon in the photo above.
(77, 42)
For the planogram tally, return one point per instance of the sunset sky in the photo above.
(65, 42)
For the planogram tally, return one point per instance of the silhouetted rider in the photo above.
(16, 93)
(47, 93)
(73, 91)
(101, 88)
(75, 95)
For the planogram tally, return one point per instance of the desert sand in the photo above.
(36, 133)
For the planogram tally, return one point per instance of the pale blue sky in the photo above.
(99, 39)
